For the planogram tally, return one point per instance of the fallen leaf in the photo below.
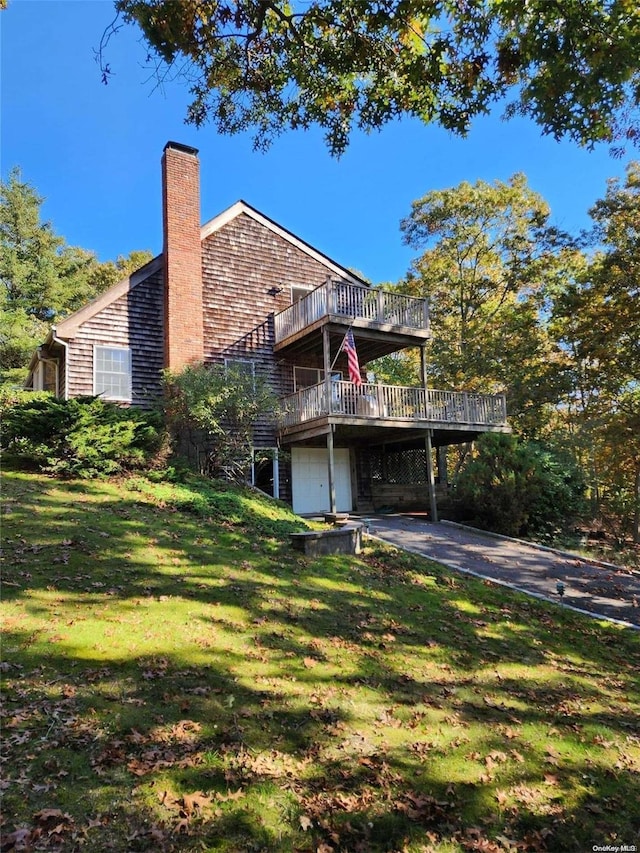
(181, 826)
(20, 839)
(46, 815)
(191, 802)
(230, 796)
(508, 843)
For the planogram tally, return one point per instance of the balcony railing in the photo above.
(394, 402)
(352, 302)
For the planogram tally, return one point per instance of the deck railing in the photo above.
(352, 301)
(394, 402)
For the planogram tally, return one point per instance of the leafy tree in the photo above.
(42, 279)
(218, 407)
(489, 265)
(399, 368)
(266, 64)
(597, 319)
(39, 273)
(519, 488)
(615, 283)
(104, 275)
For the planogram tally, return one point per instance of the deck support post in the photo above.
(276, 474)
(326, 358)
(433, 505)
(332, 476)
(430, 479)
(423, 378)
(326, 364)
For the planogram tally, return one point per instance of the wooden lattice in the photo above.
(406, 466)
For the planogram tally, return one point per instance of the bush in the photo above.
(80, 437)
(222, 404)
(519, 488)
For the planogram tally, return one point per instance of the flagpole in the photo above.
(333, 363)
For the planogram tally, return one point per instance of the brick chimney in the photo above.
(184, 336)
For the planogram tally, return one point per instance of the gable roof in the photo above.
(68, 327)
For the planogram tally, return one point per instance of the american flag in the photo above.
(349, 346)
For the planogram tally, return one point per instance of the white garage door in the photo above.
(310, 480)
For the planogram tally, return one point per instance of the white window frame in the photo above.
(102, 394)
(305, 289)
(229, 362)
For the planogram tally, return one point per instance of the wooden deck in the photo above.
(348, 304)
(392, 406)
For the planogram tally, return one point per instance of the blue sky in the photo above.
(93, 152)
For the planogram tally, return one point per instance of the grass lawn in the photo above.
(176, 678)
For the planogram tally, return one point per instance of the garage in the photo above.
(310, 480)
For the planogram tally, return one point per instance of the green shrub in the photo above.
(80, 437)
(519, 488)
(223, 404)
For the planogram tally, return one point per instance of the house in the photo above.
(243, 289)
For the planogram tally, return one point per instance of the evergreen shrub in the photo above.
(519, 488)
(81, 437)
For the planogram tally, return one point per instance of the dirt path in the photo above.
(597, 589)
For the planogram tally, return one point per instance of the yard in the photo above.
(176, 678)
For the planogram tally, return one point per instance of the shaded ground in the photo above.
(597, 589)
(176, 679)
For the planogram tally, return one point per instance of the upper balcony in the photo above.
(403, 320)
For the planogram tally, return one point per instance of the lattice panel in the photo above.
(376, 468)
(407, 466)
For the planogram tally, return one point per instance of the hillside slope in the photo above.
(175, 677)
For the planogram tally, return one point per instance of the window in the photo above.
(241, 368)
(304, 377)
(299, 291)
(112, 372)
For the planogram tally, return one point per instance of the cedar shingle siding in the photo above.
(241, 262)
(133, 320)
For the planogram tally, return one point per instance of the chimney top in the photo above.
(179, 146)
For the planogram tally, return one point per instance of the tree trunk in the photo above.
(463, 451)
(636, 508)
